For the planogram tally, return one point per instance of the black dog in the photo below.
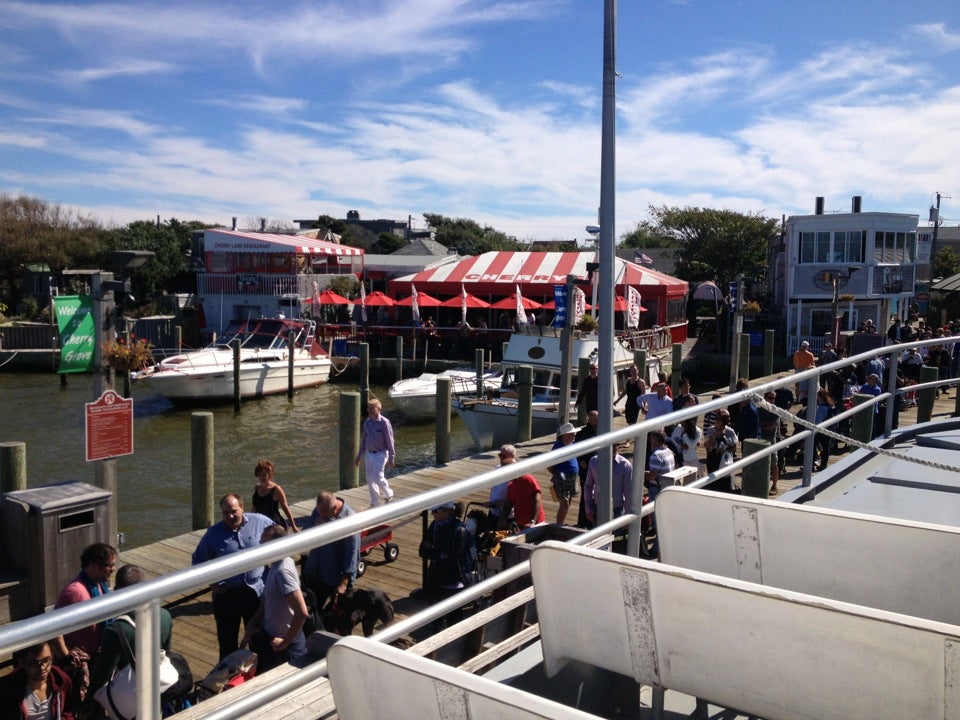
(358, 606)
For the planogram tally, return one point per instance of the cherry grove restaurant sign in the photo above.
(77, 332)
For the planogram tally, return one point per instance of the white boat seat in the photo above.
(762, 651)
(370, 679)
(897, 565)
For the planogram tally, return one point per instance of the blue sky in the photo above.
(487, 109)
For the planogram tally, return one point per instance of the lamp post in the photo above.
(835, 278)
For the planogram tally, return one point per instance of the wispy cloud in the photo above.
(123, 69)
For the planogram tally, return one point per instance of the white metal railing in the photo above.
(146, 598)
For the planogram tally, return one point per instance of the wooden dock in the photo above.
(194, 633)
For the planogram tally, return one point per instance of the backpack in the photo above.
(314, 619)
(674, 447)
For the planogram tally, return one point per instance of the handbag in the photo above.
(118, 697)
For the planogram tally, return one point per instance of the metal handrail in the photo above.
(145, 598)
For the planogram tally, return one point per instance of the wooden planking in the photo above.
(194, 632)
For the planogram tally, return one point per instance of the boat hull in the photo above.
(492, 423)
(416, 397)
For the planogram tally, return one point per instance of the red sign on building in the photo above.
(109, 427)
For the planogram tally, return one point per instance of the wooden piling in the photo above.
(444, 385)
(13, 466)
(478, 355)
(926, 396)
(399, 358)
(290, 348)
(202, 468)
(755, 478)
(583, 370)
(364, 353)
(235, 344)
(524, 402)
(744, 366)
(349, 439)
(769, 337)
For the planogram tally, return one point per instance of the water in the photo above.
(299, 437)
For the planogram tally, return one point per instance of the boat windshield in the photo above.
(256, 334)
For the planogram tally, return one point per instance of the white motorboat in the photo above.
(207, 374)
(417, 397)
(492, 420)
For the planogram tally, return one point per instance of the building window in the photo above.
(814, 247)
(848, 246)
(895, 247)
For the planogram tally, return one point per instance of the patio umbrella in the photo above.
(472, 301)
(553, 306)
(423, 300)
(620, 304)
(379, 299)
(327, 297)
(510, 303)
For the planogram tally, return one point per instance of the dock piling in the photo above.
(444, 385)
(349, 439)
(13, 466)
(524, 402)
(202, 468)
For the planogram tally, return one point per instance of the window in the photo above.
(848, 246)
(814, 247)
(843, 246)
(895, 247)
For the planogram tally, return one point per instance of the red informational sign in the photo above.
(109, 427)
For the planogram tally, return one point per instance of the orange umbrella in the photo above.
(377, 299)
(423, 300)
(510, 303)
(473, 302)
(327, 297)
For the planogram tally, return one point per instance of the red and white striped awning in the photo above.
(535, 272)
(235, 241)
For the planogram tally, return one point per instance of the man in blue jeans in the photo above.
(236, 598)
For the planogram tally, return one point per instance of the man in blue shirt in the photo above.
(236, 598)
(331, 569)
(566, 473)
(376, 452)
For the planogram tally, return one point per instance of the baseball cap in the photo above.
(449, 505)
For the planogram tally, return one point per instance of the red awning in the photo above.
(494, 273)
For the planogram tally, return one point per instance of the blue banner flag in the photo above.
(560, 305)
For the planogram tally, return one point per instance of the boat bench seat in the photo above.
(897, 565)
(370, 679)
(732, 643)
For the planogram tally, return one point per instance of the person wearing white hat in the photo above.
(565, 474)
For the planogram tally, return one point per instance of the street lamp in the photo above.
(834, 279)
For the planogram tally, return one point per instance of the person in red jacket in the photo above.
(37, 688)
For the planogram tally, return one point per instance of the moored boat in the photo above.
(207, 374)
(417, 397)
(492, 420)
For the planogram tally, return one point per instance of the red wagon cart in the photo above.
(378, 535)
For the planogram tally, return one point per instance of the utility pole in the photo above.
(935, 216)
(736, 304)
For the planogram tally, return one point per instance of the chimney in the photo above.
(233, 225)
(855, 205)
(263, 224)
(819, 206)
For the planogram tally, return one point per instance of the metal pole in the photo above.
(566, 352)
(606, 255)
(735, 335)
(105, 471)
(933, 242)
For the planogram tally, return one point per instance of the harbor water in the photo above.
(154, 484)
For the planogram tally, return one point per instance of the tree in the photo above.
(169, 269)
(387, 243)
(946, 263)
(643, 236)
(715, 244)
(35, 232)
(468, 237)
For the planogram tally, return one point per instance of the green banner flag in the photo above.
(77, 332)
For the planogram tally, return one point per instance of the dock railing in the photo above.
(146, 598)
